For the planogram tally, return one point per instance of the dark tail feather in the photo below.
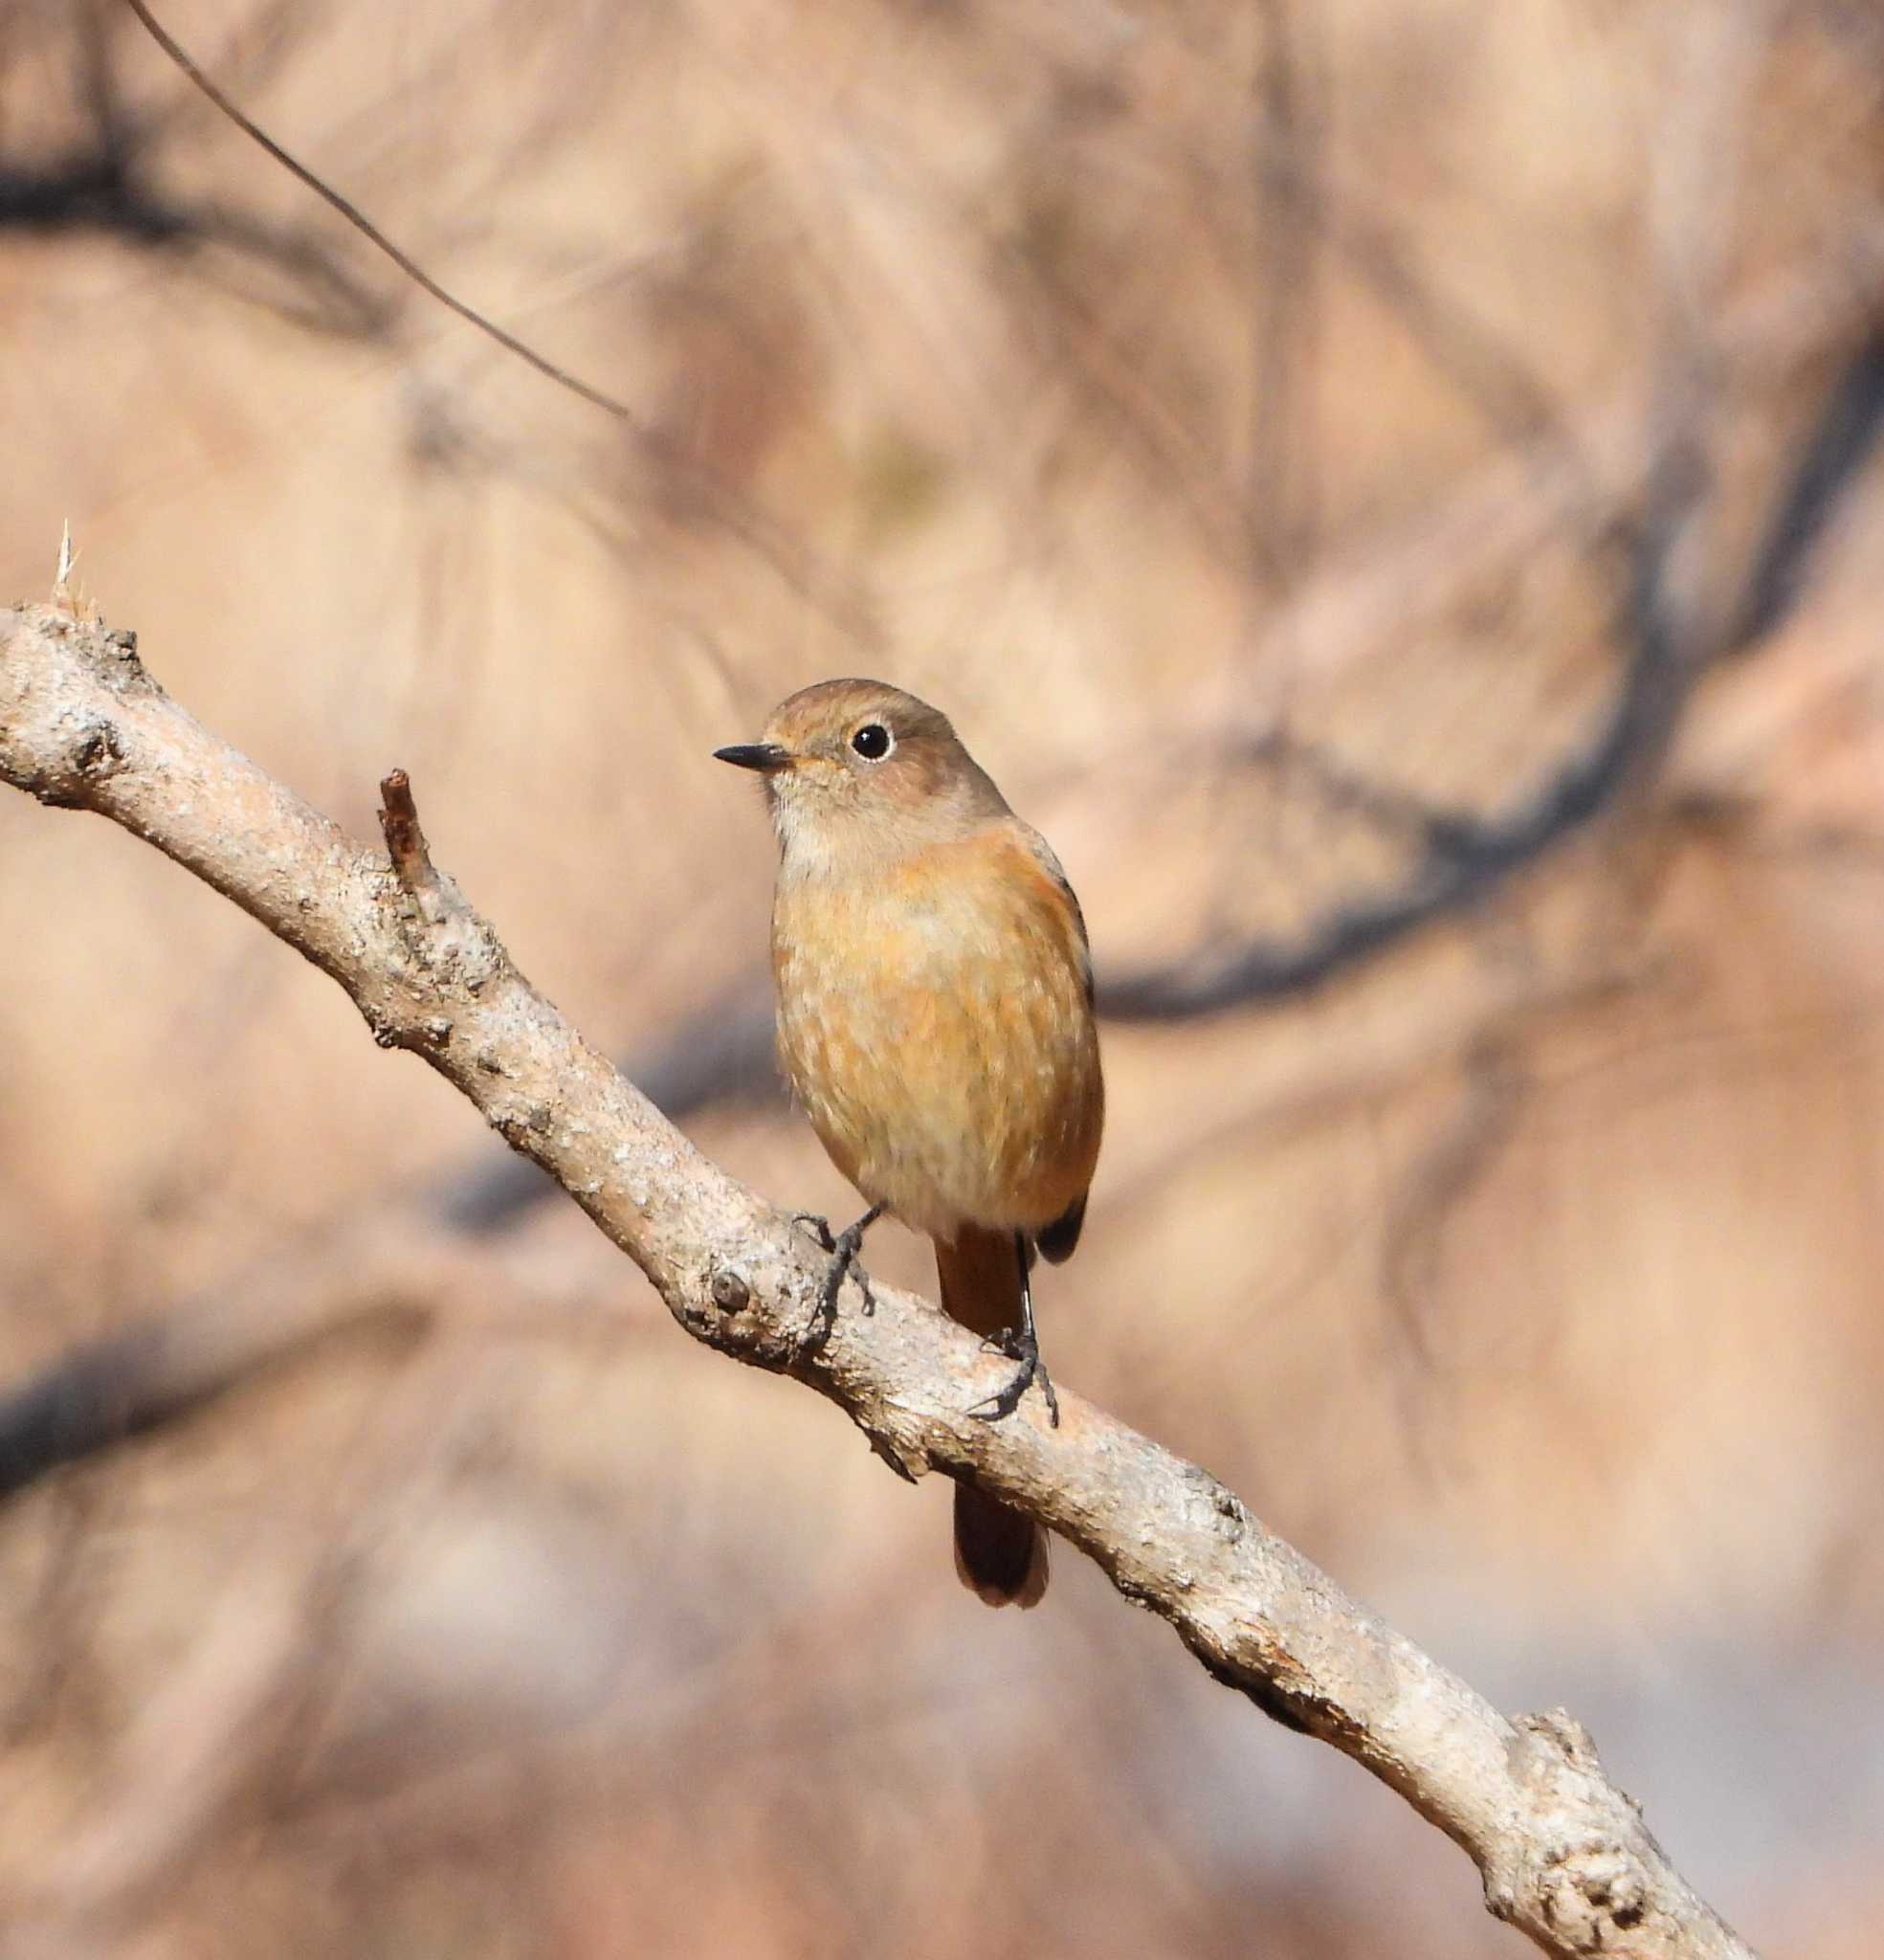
(1000, 1553)
(1059, 1239)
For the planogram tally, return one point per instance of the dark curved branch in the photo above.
(1466, 860)
(1842, 440)
(100, 190)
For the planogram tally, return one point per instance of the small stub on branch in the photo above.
(405, 844)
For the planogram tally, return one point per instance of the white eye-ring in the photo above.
(872, 742)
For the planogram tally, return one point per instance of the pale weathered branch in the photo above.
(1565, 1855)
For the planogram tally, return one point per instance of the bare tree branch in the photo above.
(1565, 1855)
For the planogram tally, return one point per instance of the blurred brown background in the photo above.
(1389, 490)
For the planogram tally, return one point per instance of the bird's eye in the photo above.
(871, 741)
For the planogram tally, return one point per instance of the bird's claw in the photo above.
(1023, 1347)
(843, 1247)
(819, 1227)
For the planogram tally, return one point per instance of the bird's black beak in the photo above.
(767, 757)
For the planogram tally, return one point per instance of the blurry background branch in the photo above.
(1563, 1854)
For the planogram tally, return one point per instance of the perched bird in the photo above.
(934, 1020)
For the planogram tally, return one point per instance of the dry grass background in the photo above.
(1181, 395)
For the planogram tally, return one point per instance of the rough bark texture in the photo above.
(1565, 1855)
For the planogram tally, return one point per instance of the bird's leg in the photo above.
(843, 1247)
(1022, 1344)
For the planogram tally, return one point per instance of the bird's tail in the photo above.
(1000, 1553)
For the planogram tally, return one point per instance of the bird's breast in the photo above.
(934, 1019)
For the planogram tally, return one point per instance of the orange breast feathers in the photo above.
(935, 1020)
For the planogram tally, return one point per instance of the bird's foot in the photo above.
(843, 1247)
(1025, 1349)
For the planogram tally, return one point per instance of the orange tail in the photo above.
(1000, 1553)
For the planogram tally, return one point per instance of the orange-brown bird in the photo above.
(934, 1018)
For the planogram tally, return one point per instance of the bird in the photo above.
(935, 1022)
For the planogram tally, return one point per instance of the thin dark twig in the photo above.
(370, 232)
(794, 561)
